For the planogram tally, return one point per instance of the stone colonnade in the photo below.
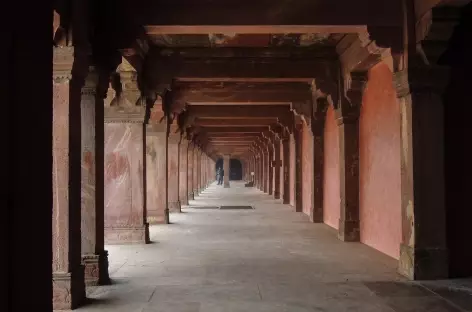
(114, 172)
(292, 158)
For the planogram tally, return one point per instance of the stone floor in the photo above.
(267, 259)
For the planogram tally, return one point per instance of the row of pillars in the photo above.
(278, 159)
(113, 175)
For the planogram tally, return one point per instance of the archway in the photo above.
(236, 170)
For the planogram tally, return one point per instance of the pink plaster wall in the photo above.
(331, 189)
(307, 169)
(379, 162)
(292, 170)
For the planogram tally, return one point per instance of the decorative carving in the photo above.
(63, 59)
(421, 79)
(91, 83)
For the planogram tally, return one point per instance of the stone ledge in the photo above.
(127, 235)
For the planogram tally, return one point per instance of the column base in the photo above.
(191, 196)
(175, 206)
(158, 217)
(423, 263)
(276, 195)
(68, 291)
(226, 185)
(127, 235)
(349, 230)
(317, 216)
(96, 269)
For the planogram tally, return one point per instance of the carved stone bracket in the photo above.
(421, 79)
(63, 60)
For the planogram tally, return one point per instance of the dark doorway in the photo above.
(236, 170)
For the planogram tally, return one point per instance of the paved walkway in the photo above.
(268, 259)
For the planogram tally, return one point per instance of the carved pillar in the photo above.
(270, 167)
(423, 252)
(226, 168)
(277, 166)
(195, 170)
(286, 168)
(156, 167)
(190, 161)
(183, 165)
(125, 213)
(173, 184)
(297, 134)
(68, 272)
(204, 171)
(94, 256)
(200, 170)
(317, 128)
(266, 166)
(348, 126)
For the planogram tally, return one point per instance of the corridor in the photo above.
(265, 259)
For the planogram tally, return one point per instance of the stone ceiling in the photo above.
(245, 40)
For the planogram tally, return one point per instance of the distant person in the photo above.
(220, 177)
(218, 173)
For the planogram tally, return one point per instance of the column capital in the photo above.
(91, 82)
(419, 79)
(63, 59)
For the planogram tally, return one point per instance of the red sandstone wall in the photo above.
(379, 161)
(307, 169)
(331, 190)
(292, 170)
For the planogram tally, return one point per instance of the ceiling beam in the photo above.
(210, 130)
(228, 122)
(266, 16)
(239, 111)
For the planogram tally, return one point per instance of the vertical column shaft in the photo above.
(94, 256)
(68, 273)
(156, 173)
(173, 174)
(183, 171)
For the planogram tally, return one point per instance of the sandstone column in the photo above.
(270, 170)
(423, 252)
(196, 152)
(297, 134)
(348, 126)
(317, 127)
(156, 169)
(190, 162)
(94, 256)
(226, 168)
(286, 168)
(183, 167)
(277, 165)
(266, 165)
(68, 273)
(125, 214)
(173, 143)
